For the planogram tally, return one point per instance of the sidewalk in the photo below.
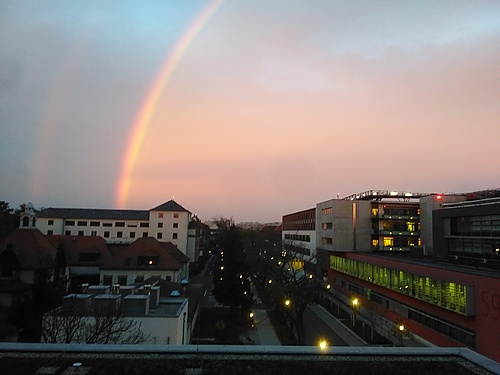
(263, 333)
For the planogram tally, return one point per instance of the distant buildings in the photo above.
(430, 261)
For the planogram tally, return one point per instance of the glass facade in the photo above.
(475, 235)
(445, 294)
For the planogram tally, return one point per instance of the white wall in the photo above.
(167, 219)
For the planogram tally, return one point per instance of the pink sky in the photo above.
(273, 106)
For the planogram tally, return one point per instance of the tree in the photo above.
(9, 262)
(71, 324)
(9, 219)
(283, 277)
(231, 286)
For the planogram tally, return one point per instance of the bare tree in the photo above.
(73, 324)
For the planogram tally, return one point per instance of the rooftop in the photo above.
(241, 359)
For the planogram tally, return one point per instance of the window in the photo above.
(176, 225)
(144, 225)
(388, 241)
(95, 224)
(67, 233)
(93, 233)
(69, 223)
(174, 236)
(132, 234)
(144, 234)
(107, 280)
(326, 240)
(120, 224)
(50, 232)
(131, 225)
(119, 234)
(106, 234)
(80, 232)
(160, 225)
(82, 223)
(147, 261)
(160, 215)
(159, 236)
(176, 215)
(51, 222)
(107, 224)
(122, 280)
(326, 211)
(325, 226)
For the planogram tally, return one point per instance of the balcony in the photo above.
(384, 232)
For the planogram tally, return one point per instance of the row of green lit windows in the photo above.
(451, 296)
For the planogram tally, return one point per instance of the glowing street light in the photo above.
(288, 303)
(355, 302)
(401, 327)
(323, 344)
(355, 306)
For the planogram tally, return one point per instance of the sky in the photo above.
(245, 109)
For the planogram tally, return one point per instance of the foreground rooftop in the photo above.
(19, 358)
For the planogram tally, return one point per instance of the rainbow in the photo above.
(143, 118)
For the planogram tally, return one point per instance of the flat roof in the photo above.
(241, 359)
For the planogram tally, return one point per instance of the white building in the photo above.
(100, 311)
(168, 222)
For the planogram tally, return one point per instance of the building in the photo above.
(167, 222)
(430, 262)
(118, 315)
(299, 234)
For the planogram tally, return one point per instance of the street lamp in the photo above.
(355, 306)
(323, 344)
(401, 331)
(288, 303)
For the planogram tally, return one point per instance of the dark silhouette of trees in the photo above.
(9, 262)
(9, 219)
(231, 285)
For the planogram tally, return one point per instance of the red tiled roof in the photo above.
(33, 249)
(127, 256)
(73, 246)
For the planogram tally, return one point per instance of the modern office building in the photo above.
(428, 261)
